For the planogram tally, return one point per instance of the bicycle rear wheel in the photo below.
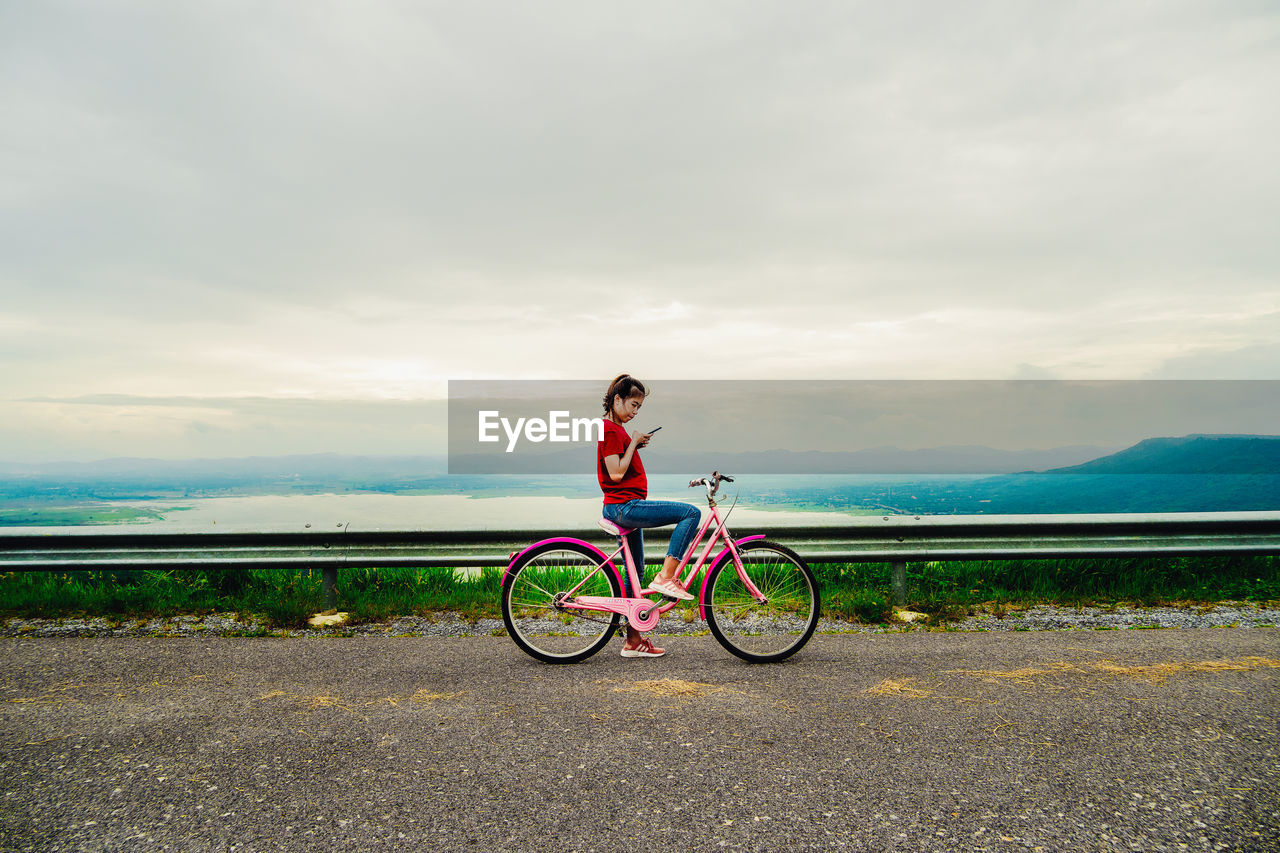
(533, 602)
(772, 630)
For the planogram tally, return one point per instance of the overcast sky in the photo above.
(243, 228)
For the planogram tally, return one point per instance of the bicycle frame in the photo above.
(640, 612)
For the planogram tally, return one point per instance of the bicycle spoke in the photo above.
(776, 627)
(533, 603)
(736, 609)
(539, 589)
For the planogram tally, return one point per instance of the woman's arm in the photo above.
(617, 465)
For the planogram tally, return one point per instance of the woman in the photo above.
(626, 492)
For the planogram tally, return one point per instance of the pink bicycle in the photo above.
(562, 598)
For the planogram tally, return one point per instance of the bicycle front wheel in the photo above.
(534, 597)
(769, 630)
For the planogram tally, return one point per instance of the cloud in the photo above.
(98, 426)
(852, 415)
(1260, 361)
(362, 202)
(296, 148)
(1031, 371)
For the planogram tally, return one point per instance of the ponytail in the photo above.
(626, 386)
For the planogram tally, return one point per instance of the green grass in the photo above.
(66, 516)
(285, 598)
(945, 591)
(952, 590)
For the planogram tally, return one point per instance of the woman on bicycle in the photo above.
(626, 504)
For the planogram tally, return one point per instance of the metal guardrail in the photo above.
(897, 539)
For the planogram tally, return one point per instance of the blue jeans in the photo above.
(642, 514)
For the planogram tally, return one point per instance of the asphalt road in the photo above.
(1111, 740)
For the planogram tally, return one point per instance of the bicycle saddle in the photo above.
(609, 527)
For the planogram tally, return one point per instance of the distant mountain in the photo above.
(958, 459)
(1192, 473)
(955, 459)
(1190, 454)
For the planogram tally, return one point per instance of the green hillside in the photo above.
(1190, 454)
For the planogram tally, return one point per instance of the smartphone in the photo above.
(655, 429)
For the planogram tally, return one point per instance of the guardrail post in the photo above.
(330, 583)
(899, 583)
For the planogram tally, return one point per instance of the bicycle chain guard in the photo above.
(631, 608)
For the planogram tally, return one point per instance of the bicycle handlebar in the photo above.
(712, 483)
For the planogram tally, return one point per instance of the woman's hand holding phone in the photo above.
(642, 438)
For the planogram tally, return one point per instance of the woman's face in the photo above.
(625, 410)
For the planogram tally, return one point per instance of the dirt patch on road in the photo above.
(1057, 675)
(1154, 673)
(317, 702)
(899, 687)
(670, 687)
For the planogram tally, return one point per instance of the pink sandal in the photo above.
(645, 649)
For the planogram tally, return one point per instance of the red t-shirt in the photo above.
(634, 484)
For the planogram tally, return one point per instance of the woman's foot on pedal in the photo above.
(670, 588)
(643, 649)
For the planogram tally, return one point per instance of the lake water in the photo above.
(418, 512)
